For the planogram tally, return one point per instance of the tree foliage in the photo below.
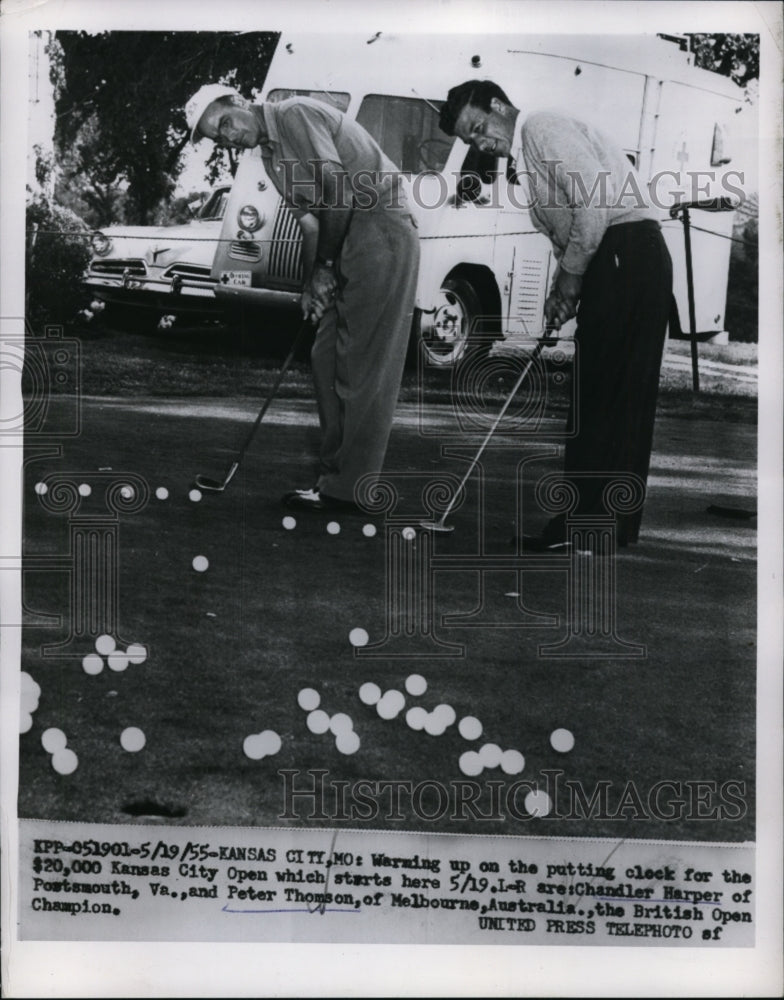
(119, 106)
(736, 56)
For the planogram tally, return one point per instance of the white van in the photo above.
(481, 256)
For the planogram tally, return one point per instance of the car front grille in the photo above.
(116, 267)
(194, 272)
(245, 250)
(286, 247)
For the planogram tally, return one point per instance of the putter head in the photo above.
(211, 485)
(436, 526)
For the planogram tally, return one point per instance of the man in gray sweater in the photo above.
(614, 275)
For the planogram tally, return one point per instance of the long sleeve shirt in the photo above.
(580, 183)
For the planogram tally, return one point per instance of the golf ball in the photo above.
(136, 653)
(25, 722)
(308, 699)
(512, 762)
(162, 493)
(561, 740)
(200, 563)
(127, 492)
(132, 739)
(105, 644)
(347, 742)
(409, 534)
(390, 705)
(416, 717)
(65, 761)
(253, 746)
(92, 664)
(470, 728)
(470, 764)
(538, 803)
(368, 530)
(53, 740)
(358, 637)
(434, 725)
(41, 488)
(490, 755)
(194, 495)
(117, 660)
(84, 490)
(445, 713)
(28, 684)
(271, 742)
(318, 722)
(369, 693)
(416, 685)
(340, 723)
(289, 523)
(333, 528)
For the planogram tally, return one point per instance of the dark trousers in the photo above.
(621, 327)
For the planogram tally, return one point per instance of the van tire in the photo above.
(445, 333)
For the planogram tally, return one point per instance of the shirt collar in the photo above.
(269, 124)
(516, 152)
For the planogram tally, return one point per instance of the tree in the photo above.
(736, 56)
(119, 105)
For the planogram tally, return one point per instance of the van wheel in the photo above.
(445, 332)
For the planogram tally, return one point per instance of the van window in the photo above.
(215, 206)
(336, 99)
(407, 130)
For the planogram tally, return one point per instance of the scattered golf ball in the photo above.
(260, 745)
(65, 761)
(28, 684)
(289, 523)
(105, 644)
(318, 722)
(127, 492)
(84, 490)
(41, 488)
(490, 755)
(136, 653)
(512, 762)
(340, 723)
(416, 717)
(194, 495)
(434, 724)
(409, 534)
(132, 739)
(162, 493)
(333, 528)
(416, 685)
(117, 660)
(200, 563)
(470, 764)
(368, 530)
(53, 740)
(369, 693)
(391, 704)
(561, 740)
(308, 699)
(358, 637)
(347, 742)
(445, 714)
(25, 722)
(470, 728)
(538, 803)
(92, 664)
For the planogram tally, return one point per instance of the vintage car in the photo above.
(158, 274)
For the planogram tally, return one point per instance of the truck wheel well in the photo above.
(484, 284)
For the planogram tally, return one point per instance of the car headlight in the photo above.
(101, 244)
(249, 218)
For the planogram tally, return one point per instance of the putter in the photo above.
(218, 485)
(440, 525)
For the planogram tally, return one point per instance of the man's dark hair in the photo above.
(476, 92)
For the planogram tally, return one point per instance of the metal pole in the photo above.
(695, 370)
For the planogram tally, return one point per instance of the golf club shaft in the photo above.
(523, 374)
(306, 325)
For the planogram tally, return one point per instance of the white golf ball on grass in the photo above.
(561, 740)
(132, 739)
(308, 699)
(200, 564)
(65, 761)
(369, 693)
(53, 740)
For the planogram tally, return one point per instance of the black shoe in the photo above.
(316, 501)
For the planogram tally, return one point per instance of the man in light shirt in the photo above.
(614, 274)
(360, 264)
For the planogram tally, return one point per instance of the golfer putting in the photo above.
(360, 265)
